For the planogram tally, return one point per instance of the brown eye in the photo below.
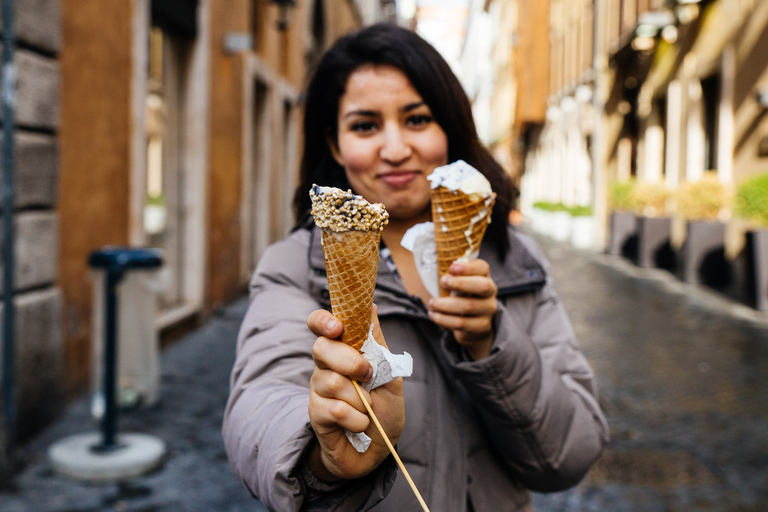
(419, 120)
(363, 127)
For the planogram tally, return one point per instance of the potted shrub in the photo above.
(751, 203)
(654, 227)
(582, 226)
(622, 223)
(701, 204)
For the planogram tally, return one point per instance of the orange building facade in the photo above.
(180, 130)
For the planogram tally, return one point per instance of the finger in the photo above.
(337, 356)
(479, 286)
(463, 306)
(323, 323)
(330, 384)
(327, 414)
(475, 267)
(479, 325)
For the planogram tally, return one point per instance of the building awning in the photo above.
(666, 62)
(718, 25)
(647, 64)
(705, 39)
(177, 17)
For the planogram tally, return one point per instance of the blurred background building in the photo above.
(165, 123)
(576, 97)
(656, 90)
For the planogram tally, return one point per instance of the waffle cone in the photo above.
(351, 262)
(455, 234)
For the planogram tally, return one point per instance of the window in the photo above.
(163, 219)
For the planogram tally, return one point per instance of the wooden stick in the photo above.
(389, 445)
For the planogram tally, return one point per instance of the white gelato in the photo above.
(459, 175)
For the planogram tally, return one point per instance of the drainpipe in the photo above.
(599, 97)
(9, 313)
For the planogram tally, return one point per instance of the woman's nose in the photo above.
(396, 148)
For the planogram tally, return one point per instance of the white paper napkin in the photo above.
(420, 240)
(386, 368)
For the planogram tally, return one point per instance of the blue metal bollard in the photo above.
(115, 261)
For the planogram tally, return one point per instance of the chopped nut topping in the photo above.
(342, 211)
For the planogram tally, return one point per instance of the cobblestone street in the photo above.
(195, 476)
(681, 374)
(681, 380)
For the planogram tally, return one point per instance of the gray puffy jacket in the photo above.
(478, 434)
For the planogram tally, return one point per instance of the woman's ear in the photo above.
(334, 147)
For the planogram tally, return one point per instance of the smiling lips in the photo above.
(398, 178)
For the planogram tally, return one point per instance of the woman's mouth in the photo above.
(398, 178)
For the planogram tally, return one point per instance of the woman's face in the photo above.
(388, 141)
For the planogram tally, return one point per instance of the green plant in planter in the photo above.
(649, 199)
(620, 195)
(581, 211)
(153, 200)
(550, 207)
(751, 201)
(702, 200)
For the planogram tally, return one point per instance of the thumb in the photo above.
(377, 334)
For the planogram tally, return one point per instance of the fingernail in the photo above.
(431, 304)
(369, 375)
(331, 324)
(444, 280)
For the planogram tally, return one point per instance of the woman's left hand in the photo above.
(469, 310)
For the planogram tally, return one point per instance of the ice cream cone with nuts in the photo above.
(351, 229)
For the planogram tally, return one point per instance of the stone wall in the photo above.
(38, 382)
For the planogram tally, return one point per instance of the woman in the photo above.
(501, 399)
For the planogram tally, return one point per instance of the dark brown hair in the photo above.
(430, 75)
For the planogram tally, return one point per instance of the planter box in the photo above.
(561, 226)
(653, 235)
(582, 232)
(622, 227)
(757, 264)
(538, 220)
(703, 253)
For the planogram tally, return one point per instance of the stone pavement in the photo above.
(195, 476)
(681, 373)
(682, 380)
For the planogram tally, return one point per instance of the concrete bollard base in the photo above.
(74, 457)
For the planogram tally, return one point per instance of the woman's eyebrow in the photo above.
(364, 113)
(374, 113)
(412, 106)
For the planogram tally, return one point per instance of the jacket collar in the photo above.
(521, 271)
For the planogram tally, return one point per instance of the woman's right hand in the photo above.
(334, 405)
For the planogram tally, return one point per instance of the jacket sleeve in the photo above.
(535, 394)
(266, 422)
